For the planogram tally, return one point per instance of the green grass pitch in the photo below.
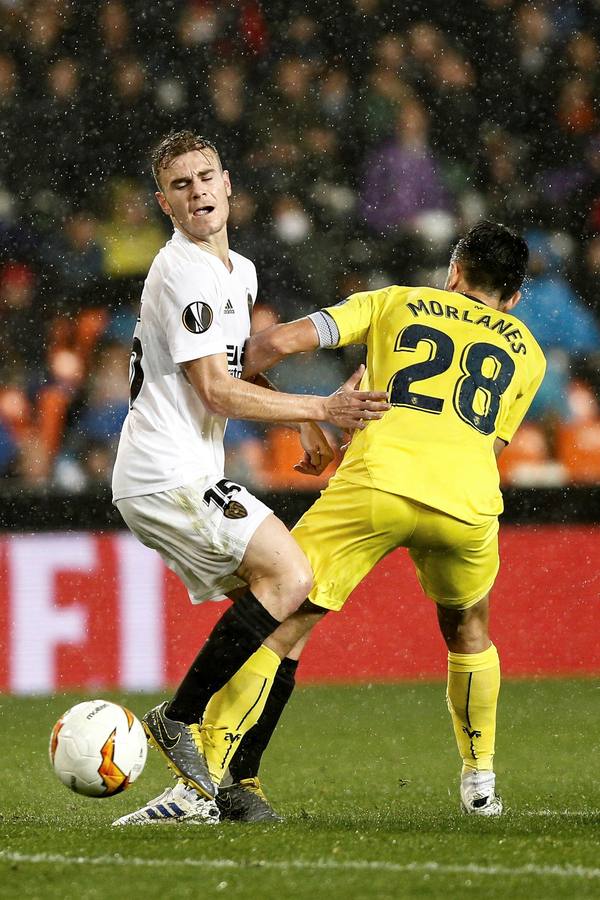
(367, 779)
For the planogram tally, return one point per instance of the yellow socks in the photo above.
(233, 710)
(473, 687)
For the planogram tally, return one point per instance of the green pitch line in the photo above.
(367, 778)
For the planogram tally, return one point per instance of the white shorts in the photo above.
(201, 530)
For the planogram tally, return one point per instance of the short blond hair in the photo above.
(175, 144)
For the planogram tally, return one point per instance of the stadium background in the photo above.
(361, 137)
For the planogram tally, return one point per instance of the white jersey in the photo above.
(192, 307)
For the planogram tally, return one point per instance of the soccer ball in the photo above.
(98, 748)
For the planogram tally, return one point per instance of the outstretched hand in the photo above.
(349, 408)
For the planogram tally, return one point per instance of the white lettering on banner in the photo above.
(141, 581)
(38, 626)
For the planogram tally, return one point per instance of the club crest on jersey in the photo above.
(197, 317)
(235, 510)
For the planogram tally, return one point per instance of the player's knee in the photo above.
(283, 592)
(295, 586)
(300, 582)
(466, 635)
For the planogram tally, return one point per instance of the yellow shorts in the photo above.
(351, 527)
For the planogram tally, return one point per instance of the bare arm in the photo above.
(266, 348)
(227, 396)
(262, 381)
(499, 446)
(317, 449)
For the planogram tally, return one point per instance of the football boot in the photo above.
(176, 804)
(181, 745)
(478, 795)
(244, 801)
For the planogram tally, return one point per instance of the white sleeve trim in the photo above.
(329, 335)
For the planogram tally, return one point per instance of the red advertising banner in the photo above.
(93, 611)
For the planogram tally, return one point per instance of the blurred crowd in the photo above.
(362, 136)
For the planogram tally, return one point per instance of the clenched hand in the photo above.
(317, 452)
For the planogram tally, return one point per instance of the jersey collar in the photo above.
(181, 238)
(471, 297)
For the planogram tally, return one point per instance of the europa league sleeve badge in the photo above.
(197, 317)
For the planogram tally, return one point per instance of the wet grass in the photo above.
(367, 779)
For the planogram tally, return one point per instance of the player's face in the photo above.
(195, 193)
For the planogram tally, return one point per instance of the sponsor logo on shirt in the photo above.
(197, 317)
(229, 307)
(235, 360)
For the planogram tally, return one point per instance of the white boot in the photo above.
(478, 795)
(176, 804)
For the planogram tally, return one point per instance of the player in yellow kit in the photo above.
(460, 377)
(461, 371)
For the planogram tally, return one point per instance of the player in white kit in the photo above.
(168, 480)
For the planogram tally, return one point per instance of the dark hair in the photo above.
(175, 144)
(493, 257)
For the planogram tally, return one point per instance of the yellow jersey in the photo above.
(459, 375)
